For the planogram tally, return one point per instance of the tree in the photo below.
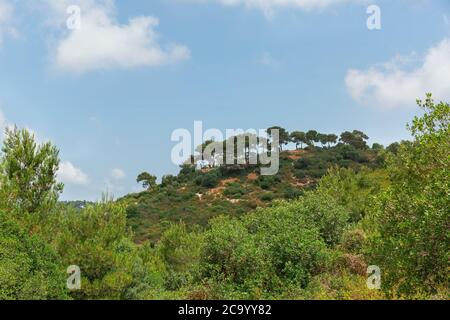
(201, 150)
(168, 180)
(180, 250)
(248, 144)
(210, 179)
(98, 240)
(411, 240)
(148, 181)
(393, 147)
(331, 139)
(323, 139)
(356, 139)
(311, 137)
(29, 268)
(346, 137)
(283, 135)
(299, 138)
(29, 171)
(377, 147)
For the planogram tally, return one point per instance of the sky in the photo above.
(109, 89)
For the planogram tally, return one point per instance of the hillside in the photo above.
(358, 210)
(196, 196)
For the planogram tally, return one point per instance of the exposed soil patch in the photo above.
(222, 185)
(252, 176)
(296, 154)
(224, 182)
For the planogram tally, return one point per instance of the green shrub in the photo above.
(210, 180)
(324, 213)
(292, 193)
(232, 255)
(97, 240)
(353, 190)
(235, 190)
(353, 241)
(250, 254)
(411, 240)
(296, 253)
(267, 182)
(268, 196)
(29, 268)
(180, 250)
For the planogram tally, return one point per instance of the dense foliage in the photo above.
(412, 216)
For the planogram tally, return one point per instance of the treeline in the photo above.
(213, 153)
(311, 138)
(351, 151)
(315, 247)
(349, 147)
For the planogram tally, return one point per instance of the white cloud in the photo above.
(118, 174)
(103, 43)
(269, 6)
(70, 174)
(392, 84)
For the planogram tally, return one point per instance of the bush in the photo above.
(303, 163)
(268, 196)
(232, 255)
(353, 190)
(411, 241)
(250, 254)
(235, 190)
(132, 211)
(292, 193)
(168, 180)
(325, 213)
(353, 241)
(180, 250)
(210, 180)
(341, 286)
(267, 182)
(29, 269)
(349, 152)
(97, 240)
(296, 253)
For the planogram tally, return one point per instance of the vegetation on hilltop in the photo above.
(195, 196)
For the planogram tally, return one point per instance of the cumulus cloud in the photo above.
(269, 6)
(70, 174)
(103, 43)
(118, 174)
(393, 84)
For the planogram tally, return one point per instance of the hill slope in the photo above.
(196, 196)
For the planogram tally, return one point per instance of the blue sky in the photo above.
(110, 94)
